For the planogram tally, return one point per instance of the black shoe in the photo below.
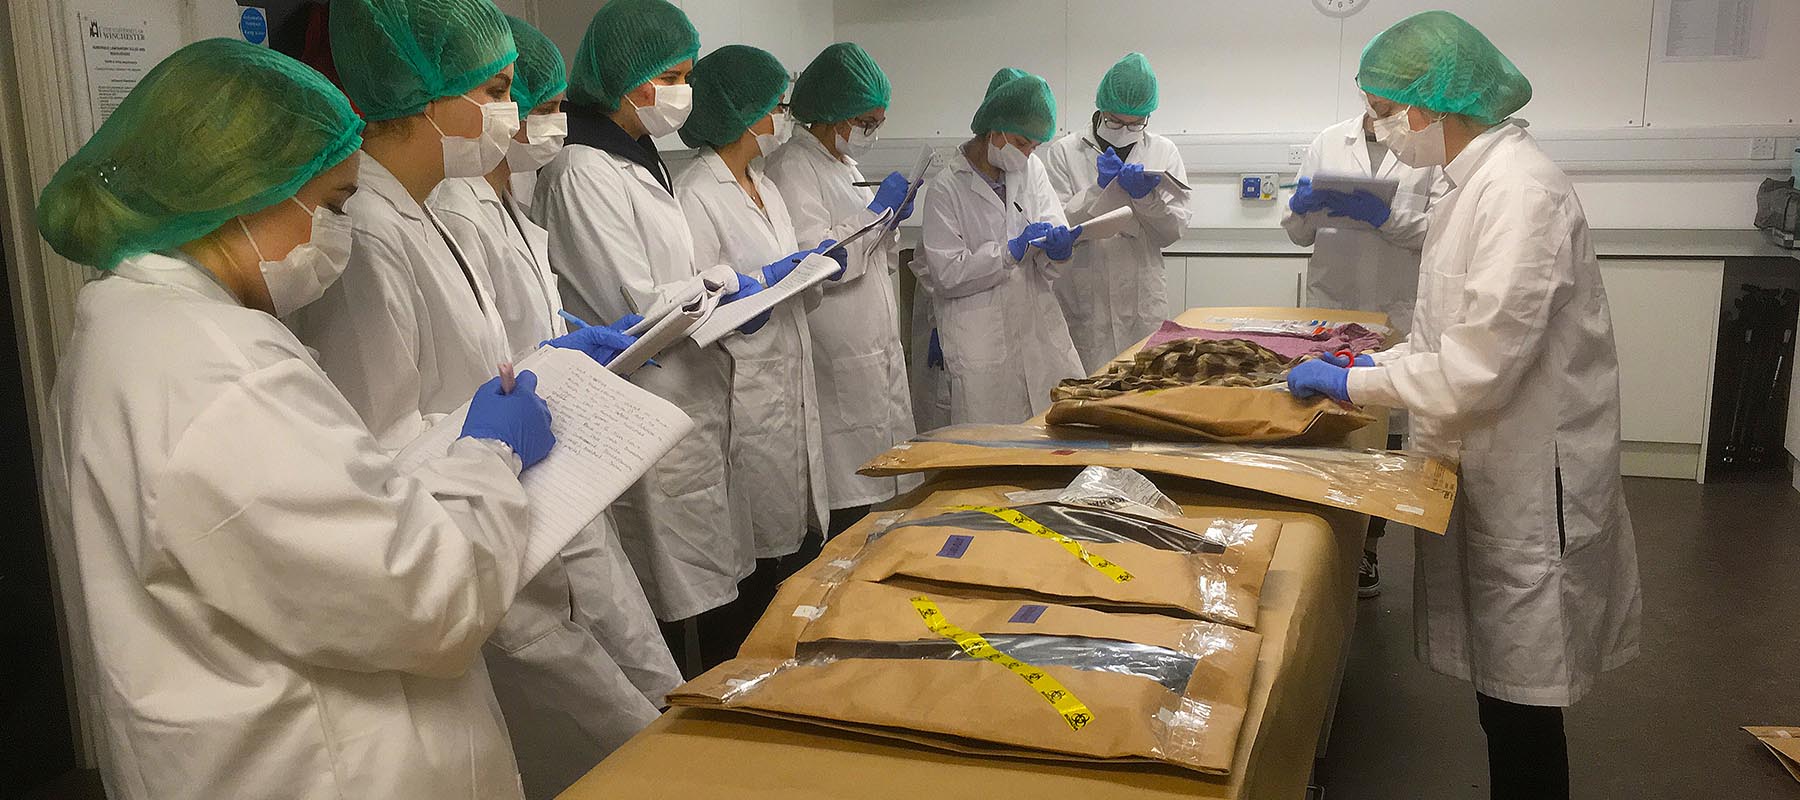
(1368, 577)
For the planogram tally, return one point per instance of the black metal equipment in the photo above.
(1756, 354)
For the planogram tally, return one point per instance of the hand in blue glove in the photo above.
(829, 249)
(1018, 243)
(1059, 243)
(747, 286)
(626, 322)
(601, 343)
(518, 419)
(1316, 377)
(1362, 360)
(1137, 183)
(1305, 200)
(773, 273)
(1361, 205)
(1109, 165)
(890, 194)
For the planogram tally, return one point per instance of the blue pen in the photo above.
(572, 319)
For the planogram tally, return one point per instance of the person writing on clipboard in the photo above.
(1365, 249)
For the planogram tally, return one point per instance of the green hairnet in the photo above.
(1437, 61)
(395, 56)
(539, 73)
(219, 129)
(1129, 88)
(734, 87)
(1022, 105)
(628, 43)
(841, 83)
(1001, 77)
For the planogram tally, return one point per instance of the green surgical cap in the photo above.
(734, 87)
(1129, 88)
(395, 56)
(628, 43)
(1022, 105)
(1001, 77)
(539, 73)
(841, 83)
(1437, 61)
(219, 129)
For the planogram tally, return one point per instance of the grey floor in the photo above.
(1721, 649)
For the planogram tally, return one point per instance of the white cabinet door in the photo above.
(1245, 281)
(1665, 322)
(1175, 271)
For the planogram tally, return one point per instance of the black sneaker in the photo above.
(1368, 577)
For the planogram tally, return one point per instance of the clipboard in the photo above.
(1167, 175)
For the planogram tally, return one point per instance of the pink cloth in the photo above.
(1290, 346)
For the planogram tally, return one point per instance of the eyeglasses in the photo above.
(1114, 122)
(867, 125)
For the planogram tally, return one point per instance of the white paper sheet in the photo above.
(1107, 225)
(726, 319)
(655, 336)
(1710, 30)
(608, 434)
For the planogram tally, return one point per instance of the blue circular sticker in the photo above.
(254, 24)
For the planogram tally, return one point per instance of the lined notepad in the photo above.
(608, 434)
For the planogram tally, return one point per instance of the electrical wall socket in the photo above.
(1762, 148)
(1259, 186)
(1296, 155)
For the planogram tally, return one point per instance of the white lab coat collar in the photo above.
(1472, 156)
(178, 270)
(375, 179)
(722, 173)
(812, 142)
(977, 182)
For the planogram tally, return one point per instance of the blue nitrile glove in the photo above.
(890, 194)
(1362, 360)
(934, 353)
(518, 419)
(829, 249)
(1059, 243)
(1305, 200)
(1018, 243)
(907, 209)
(1108, 164)
(1137, 183)
(747, 286)
(601, 343)
(1315, 377)
(1361, 205)
(773, 273)
(626, 322)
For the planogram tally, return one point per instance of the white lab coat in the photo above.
(259, 605)
(1354, 266)
(857, 358)
(498, 239)
(1002, 331)
(595, 586)
(777, 449)
(1511, 368)
(1114, 291)
(412, 325)
(621, 244)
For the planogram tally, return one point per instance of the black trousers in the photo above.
(720, 632)
(1528, 756)
(843, 518)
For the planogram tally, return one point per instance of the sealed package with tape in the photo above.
(1003, 677)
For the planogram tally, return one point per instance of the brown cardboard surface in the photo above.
(1305, 612)
(1406, 488)
(970, 705)
(1228, 414)
(1783, 741)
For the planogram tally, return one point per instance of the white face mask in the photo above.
(784, 127)
(473, 158)
(858, 142)
(1424, 148)
(309, 269)
(1119, 135)
(544, 134)
(767, 143)
(669, 112)
(1008, 157)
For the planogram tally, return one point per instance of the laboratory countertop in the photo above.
(1608, 243)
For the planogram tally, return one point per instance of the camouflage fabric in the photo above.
(1183, 362)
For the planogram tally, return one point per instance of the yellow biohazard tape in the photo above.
(1035, 528)
(1071, 709)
